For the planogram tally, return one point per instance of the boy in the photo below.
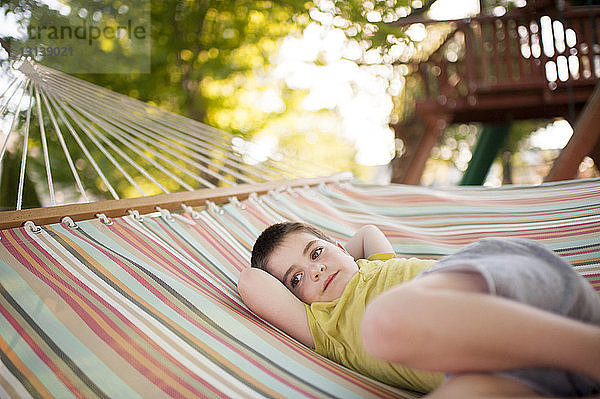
(475, 314)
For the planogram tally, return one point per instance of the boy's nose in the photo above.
(317, 272)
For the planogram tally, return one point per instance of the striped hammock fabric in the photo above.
(148, 307)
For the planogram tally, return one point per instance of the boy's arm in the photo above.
(367, 241)
(270, 299)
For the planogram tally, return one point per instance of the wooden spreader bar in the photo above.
(173, 201)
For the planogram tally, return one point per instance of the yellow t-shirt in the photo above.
(335, 325)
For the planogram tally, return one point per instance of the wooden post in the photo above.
(586, 135)
(435, 128)
(470, 54)
(508, 57)
(491, 139)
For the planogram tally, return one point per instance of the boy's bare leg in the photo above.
(447, 322)
(481, 386)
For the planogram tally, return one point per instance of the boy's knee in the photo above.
(390, 328)
(372, 330)
(470, 385)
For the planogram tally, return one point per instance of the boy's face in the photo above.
(313, 269)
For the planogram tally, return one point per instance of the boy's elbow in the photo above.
(369, 229)
(253, 285)
(247, 282)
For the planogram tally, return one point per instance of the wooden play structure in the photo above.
(531, 63)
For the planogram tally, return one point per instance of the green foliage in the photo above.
(9, 181)
(204, 55)
(456, 145)
(369, 20)
(190, 41)
(521, 130)
(212, 60)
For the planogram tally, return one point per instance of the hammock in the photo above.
(146, 305)
(126, 147)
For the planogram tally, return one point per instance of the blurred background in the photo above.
(348, 83)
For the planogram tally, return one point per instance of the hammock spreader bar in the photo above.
(172, 201)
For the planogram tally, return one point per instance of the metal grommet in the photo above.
(105, 220)
(210, 205)
(136, 215)
(29, 225)
(69, 222)
(277, 190)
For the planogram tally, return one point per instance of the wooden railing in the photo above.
(547, 51)
(527, 64)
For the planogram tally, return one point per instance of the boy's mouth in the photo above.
(329, 280)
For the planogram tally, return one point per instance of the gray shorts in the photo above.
(529, 273)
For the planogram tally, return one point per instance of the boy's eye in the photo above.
(316, 253)
(295, 280)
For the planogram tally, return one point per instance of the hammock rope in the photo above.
(82, 92)
(128, 147)
(24, 155)
(63, 145)
(137, 146)
(15, 118)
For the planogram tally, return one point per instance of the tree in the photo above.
(196, 47)
(210, 60)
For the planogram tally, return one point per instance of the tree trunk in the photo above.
(507, 168)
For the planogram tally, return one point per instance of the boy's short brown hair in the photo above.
(274, 235)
